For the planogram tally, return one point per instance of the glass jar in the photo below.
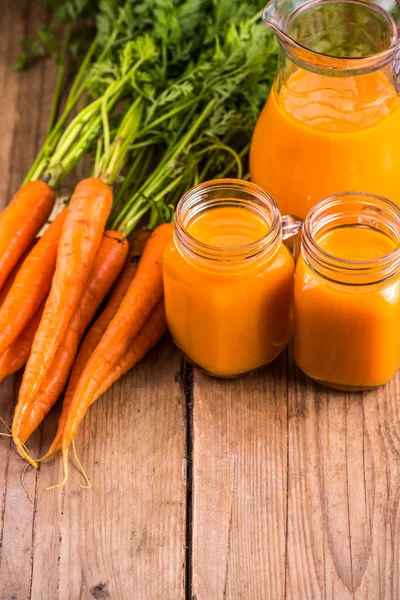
(347, 292)
(228, 278)
(332, 120)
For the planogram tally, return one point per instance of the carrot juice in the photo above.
(320, 135)
(347, 298)
(228, 279)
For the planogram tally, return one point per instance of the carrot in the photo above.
(31, 284)
(144, 293)
(150, 334)
(97, 330)
(83, 228)
(109, 261)
(20, 221)
(16, 355)
(9, 281)
(11, 278)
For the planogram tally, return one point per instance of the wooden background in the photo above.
(263, 488)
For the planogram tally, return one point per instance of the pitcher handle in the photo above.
(292, 227)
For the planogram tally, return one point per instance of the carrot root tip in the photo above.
(88, 485)
(65, 468)
(24, 484)
(5, 425)
(23, 451)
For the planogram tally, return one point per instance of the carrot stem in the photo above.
(114, 155)
(60, 80)
(127, 220)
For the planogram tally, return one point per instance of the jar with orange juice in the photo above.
(347, 292)
(332, 120)
(228, 278)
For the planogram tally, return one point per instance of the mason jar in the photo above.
(347, 292)
(228, 278)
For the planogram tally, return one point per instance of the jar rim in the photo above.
(381, 268)
(197, 198)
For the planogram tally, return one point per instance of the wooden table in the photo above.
(263, 488)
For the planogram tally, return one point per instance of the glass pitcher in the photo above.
(332, 120)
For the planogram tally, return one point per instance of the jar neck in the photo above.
(227, 193)
(352, 209)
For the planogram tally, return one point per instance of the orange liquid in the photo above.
(348, 336)
(324, 135)
(229, 319)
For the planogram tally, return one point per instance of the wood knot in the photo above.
(298, 412)
(100, 592)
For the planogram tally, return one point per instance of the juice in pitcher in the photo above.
(332, 121)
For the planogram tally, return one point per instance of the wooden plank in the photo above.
(126, 537)
(25, 98)
(342, 484)
(344, 491)
(12, 28)
(239, 486)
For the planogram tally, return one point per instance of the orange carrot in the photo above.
(11, 278)
(31, 284)
(97, 330)
(144, 293)
(152, 331)
(150, 334)
(9, 281)
(16, 355)
(109, 261)
(82, 232)
(20, 221)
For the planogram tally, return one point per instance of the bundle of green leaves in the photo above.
(203, 97)
(195, 76)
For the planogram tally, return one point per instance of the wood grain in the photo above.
(25, 99)
(239, 486)
(125, 538)
(296, 488)
(295, 497)
(344, 491)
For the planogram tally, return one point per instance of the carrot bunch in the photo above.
(51, 293)
(132, 323)
(52, 288)
(177, 130)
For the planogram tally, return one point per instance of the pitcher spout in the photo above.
(336, 35)
(276, 15)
